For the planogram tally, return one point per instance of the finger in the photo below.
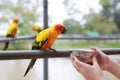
(75, 65)
(79, 63)
(90, 55)
(97, 50)
(95, 62)
(73, 62)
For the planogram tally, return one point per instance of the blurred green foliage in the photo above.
(100, 23)
(71, 8)
(111, 10)
(18, 45)
(74, 44)
(73, 26)
(29, 12)
(26, 10)
(106, 22)
(66, 44)
(93, 22)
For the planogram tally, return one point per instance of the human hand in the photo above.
(84, 55)
(102, 58)
(106, 63)
(90, 72)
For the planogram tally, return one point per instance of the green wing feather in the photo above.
(38, 45)
(41, 39)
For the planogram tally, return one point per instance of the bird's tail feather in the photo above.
(32, 62)
(6, 45)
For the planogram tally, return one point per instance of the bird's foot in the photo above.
(53, 50)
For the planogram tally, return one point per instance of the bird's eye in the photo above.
(61, 28)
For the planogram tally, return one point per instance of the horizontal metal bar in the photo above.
(62, 38)
(92, 38)
(18, 38)
(29, 54)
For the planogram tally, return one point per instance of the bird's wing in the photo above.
(41, 39)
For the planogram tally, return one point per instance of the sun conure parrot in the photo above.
(12, 30)
(45, 39)
(37, 28)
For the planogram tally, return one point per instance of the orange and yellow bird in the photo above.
(37, 28)
(45, 39)
(12, 30)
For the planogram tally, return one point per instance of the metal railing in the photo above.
(28, 37)
(18, 38)
(29, 54)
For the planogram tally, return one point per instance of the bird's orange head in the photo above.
(60, 27)
(15, 20)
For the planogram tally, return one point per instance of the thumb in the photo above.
(95, 62)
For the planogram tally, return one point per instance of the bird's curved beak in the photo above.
(64, 31)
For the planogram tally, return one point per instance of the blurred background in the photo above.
(83, 18)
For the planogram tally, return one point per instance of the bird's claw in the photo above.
(53, 50)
